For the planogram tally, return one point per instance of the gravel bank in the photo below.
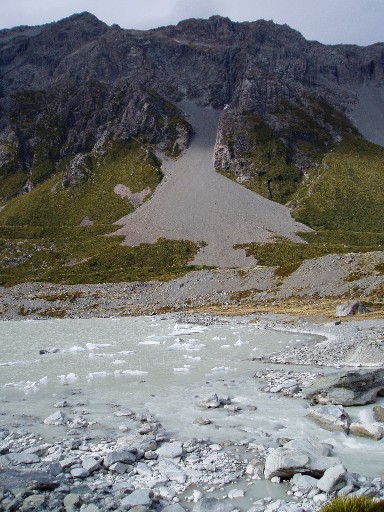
(328, 277)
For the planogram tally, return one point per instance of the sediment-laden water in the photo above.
(152, 364)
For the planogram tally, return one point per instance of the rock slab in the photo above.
(357, 387)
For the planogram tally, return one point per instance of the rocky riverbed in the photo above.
(140, 466)
(147, 470)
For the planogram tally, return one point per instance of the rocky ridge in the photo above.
(66, 87)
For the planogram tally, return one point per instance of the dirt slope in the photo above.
(195, 203)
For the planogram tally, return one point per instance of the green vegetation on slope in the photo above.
(263, 159)
(347, 189)
(273, 162)
(85, 256)
(41, 238)
(50, 204)
(288, 256)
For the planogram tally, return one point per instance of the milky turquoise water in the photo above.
(154, 364)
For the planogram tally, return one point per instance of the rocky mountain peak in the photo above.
(68, 85)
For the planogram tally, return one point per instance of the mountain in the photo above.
(87, 107)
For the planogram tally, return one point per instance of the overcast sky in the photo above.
(328, 21)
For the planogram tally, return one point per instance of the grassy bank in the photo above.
(287, 256)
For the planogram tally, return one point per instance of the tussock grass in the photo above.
(315, 308)
(353, 504)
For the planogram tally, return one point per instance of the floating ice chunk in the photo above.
(190, 345)
(183, 369)
(26, 386)
(151, 342)
(93, 375)
(119, 361)
(12, 363)
(235, 493)
(192, 358)
(223, 369)
(67, 379)
(96, 346)
(30, 386)
(239, 342)
(44, 380)
(100, 354)
(188, 329)
(126, 352)
(225, 346)
(130, 372)
(77, 349)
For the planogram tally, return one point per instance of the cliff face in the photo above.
(67, 88)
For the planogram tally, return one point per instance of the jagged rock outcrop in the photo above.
(68, 86)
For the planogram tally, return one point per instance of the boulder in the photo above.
(170, 450)
(331, 417)
(91, 464)
(358, 387)
(143, 469)
(213, 505)
(48, 351)
(119, 468)
(34, 502)
(33, 479)
(202, 421)
(22, 458)
(57, 418)
(299, 456)
(354, 307)
(123, 456)
(210, 402)
(334, 479)
(304, 482)
(175, 507)
(367, 430)
(172, 471)
(139, 497)
(72, 500)
(378, 413)
(79, 473)
(367, 354)
(347, 489)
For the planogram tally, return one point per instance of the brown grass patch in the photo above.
(314, 308)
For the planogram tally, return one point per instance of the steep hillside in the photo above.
(84, 109)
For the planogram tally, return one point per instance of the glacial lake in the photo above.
(155, 365)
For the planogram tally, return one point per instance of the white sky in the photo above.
(328, 21)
